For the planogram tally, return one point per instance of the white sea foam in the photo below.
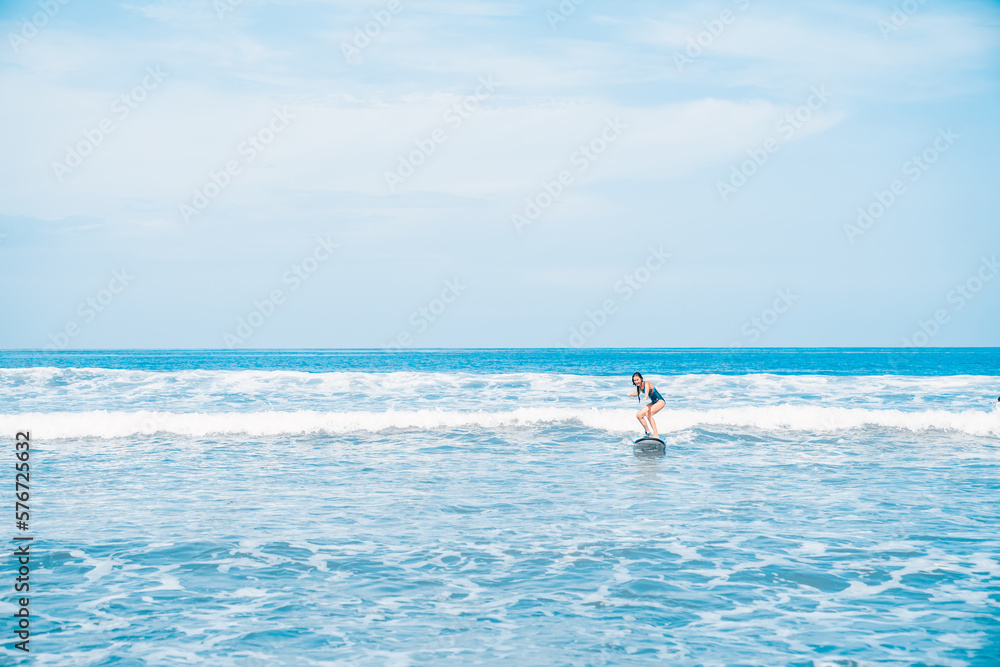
(83, 389)
(105, 424)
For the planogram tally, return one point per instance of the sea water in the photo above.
(813, 507)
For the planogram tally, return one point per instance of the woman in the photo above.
(656, 403)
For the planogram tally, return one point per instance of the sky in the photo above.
(334, 174)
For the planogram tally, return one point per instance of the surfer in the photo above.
(656, 403)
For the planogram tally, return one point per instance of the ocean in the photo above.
(830, 507)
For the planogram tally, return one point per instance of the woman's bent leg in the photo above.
(652, 410)
(641, 416)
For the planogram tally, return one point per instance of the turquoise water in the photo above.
(829, 507)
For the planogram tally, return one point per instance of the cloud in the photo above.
(769, 48)
(185, 132)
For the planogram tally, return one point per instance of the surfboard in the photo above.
(649, 445)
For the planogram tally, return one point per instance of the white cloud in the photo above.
(772, 49)
(353, 122)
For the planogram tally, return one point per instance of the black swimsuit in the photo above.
(653, 395)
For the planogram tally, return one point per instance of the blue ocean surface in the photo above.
(834, 507)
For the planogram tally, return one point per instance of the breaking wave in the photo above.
(116, 424)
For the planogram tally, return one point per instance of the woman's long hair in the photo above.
(638, 390)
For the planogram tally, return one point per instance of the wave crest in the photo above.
(105, 424)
